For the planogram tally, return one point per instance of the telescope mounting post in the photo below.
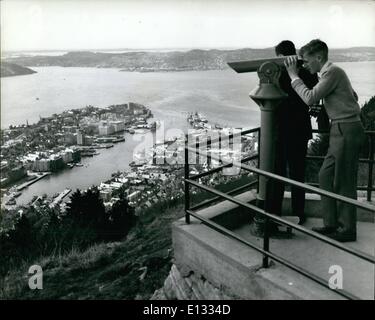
(268, 96)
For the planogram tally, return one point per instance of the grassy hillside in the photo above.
(132, 269)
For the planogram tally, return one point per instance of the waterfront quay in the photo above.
(35, 177)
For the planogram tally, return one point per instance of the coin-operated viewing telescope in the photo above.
(268, 95)
(253, 65)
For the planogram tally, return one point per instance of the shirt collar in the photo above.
(324, 68)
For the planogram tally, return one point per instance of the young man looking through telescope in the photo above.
(340, 167)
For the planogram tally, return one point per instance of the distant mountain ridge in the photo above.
(196, 59)
(12, 69)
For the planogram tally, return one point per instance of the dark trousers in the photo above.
(289, 162)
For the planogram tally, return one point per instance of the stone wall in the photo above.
(178, 286)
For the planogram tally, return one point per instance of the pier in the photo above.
(29, 183)
(60, 197)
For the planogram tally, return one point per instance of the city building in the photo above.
(106, 129)
(71, 129)
(118, 125)
(67, 155)
(105, 195)
(70, 138)
(80, 138)
(41, 165)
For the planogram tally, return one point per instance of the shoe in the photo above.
(273, 226)
(302, 220)
(343, 236)
(324, 230)
(281, 235)
(273, 232)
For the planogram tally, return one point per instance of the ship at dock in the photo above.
(106, 141)
(142, 127)
(198, 120)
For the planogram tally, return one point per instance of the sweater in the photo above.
(336, 91)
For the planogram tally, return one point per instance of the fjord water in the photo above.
(222, 96)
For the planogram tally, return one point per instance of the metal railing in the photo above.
(190, 211)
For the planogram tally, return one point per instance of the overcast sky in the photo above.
(115, 24)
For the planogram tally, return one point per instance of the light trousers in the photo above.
(339, 172)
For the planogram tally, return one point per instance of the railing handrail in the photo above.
(287, 180)
(242, 133)
(195, 148)
(369, 132)
(370, 160)
(325, 239)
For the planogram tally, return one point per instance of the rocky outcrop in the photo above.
(191, 286)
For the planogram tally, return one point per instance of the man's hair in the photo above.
(315, 46)
(286, 48)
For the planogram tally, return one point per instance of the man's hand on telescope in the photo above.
(291, 66)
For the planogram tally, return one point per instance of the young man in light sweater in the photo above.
(340, 167)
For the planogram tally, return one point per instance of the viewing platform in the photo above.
(236, 268)
(215, 243)
(228, 241)
(235, 244)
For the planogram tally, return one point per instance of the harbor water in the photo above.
(221, 96)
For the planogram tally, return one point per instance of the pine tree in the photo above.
(121, 219)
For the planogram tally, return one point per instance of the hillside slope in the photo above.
(132, 269)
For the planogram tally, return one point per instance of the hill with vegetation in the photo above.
(174, 61)
(132, 268)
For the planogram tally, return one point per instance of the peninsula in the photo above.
(12, 69)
